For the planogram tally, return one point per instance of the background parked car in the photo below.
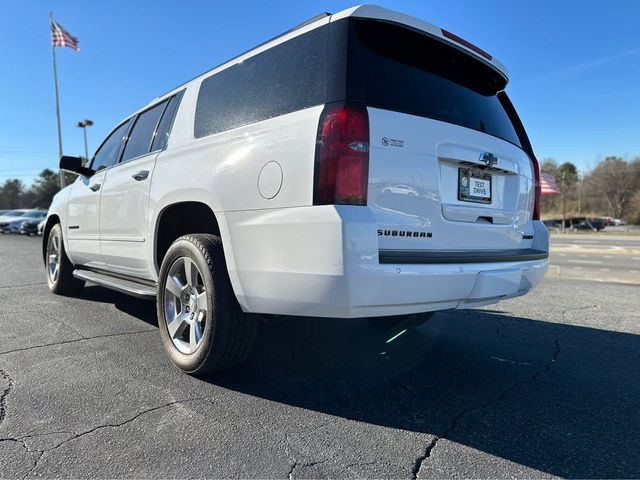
(29, 227)
(9, 215)
(553, 225)
(14, 224)
(594, 224)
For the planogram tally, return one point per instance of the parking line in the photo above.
(605, 269)
(590, 262)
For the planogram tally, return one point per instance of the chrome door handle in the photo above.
(95, 187)
(141, 175)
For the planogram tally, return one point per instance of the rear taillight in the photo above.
(342, 156)
(536, 176)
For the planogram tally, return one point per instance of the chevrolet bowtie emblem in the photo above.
(489, 159)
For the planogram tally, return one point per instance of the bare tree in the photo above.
(618, 181)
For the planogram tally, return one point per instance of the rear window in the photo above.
(280, 80)
(406, 71)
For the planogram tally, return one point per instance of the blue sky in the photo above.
(574, 65)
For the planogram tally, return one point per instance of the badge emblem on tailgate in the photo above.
(489, 159)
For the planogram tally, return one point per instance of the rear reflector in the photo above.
(342, 156)
(462, 41)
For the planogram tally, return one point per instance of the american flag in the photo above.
(61, 38)
(548, 183)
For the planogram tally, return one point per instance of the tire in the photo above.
(59, 269)
(212, 333)
(400, 321)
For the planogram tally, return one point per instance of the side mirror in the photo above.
(74, 165)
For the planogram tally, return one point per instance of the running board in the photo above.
(130, 287)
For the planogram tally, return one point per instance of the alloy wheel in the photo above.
(185, 305)
(53, 255)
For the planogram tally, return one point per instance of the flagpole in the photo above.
(55, 83)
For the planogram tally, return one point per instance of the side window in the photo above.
(164, 129)
(285, 78)
(105, 157)
(139, 142)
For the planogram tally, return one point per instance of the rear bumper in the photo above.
(324, 261)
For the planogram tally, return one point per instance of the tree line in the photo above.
(611, 189)
(15, 194)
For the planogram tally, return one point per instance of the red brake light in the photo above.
(536, 202)
(462, 41)
(342, 156)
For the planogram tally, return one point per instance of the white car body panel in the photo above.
(330, 268)
(124, 209)
(83, 221)
(286, 256)
(428, 161)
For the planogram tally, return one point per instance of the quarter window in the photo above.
(283, 79)
(164, 129)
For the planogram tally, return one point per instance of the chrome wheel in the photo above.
(185, 305)
(53, 258)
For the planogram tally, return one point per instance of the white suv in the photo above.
(363, 164)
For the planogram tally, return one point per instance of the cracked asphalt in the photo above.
(547, 385)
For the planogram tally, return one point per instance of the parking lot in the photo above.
(540, 386)
(605, 258)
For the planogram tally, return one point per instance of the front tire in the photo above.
(59, 268)
(202, 326)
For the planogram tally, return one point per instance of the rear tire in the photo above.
(202, 327)
(59, 268)
(400, 321)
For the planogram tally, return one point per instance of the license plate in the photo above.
(474, 186)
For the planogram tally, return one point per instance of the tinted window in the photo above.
(283, 79)
(164, 129)
(406, 71)
(105, 157)
(139, 141)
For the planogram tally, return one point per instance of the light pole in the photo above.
(83, 125)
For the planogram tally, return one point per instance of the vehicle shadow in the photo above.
(561, 399)
(143, 310)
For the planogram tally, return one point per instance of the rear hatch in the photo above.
(446, 168)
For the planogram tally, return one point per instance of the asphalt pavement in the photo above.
(540, 386)
(599, 257)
